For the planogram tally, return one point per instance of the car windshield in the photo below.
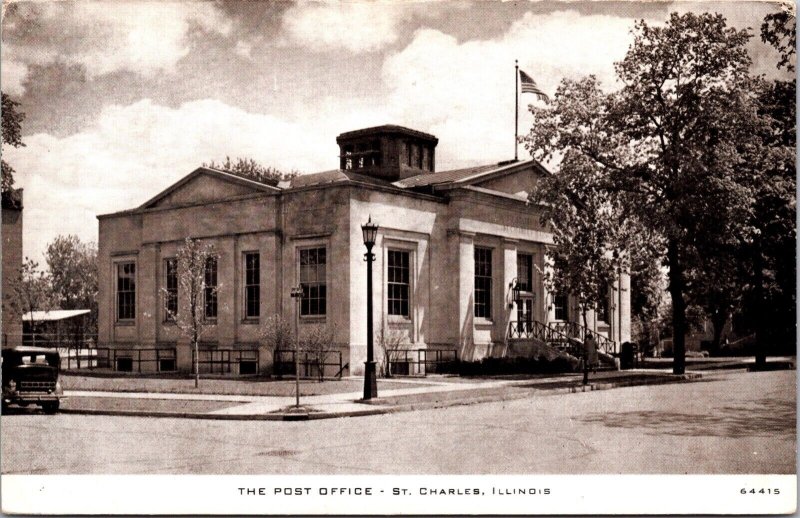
(29, 358)
(34, 359)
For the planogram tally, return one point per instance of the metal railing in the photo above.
(578, 331)
(162, 359)
(403, 362)
(567, 336)
(227, 361)
(533, 329)
(325, 364)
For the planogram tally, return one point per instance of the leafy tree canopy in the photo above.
(668, 152)
(12, 136)
(30, 291)
(73, 271)
(780, 31)
(249, 168)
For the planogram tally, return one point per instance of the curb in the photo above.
(378, 410)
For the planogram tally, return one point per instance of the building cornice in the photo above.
(279, 194)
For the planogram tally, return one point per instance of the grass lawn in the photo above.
(241, 386)
(144, 405)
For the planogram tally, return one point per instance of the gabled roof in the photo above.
(467, 175)
(216, 173)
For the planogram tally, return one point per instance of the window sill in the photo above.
(210, 322)
(312, 318)
(250, 321)
(170, 323)
(398, 319)
(125, 323)
(483, 322)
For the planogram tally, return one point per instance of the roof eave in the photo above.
(213, 172)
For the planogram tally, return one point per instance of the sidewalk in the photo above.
(405, 394)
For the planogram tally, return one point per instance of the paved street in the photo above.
(731, 422)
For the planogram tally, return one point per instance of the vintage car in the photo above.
(30, 376)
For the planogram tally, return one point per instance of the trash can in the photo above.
(627, 355)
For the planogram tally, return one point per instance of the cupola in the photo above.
(388, 152)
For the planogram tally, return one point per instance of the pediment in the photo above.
(204, 186)
(520, 181)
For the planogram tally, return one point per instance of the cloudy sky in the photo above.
(123, 98)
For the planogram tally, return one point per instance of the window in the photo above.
(602, 306)
(398, 283)
(347, 158)
(126, 291)
(483, 283)
(252, 285)
(375, 157)
(525, 272)
(361, 153)
(211, 288)
(561, 306)
(171, 288)
(312, 280)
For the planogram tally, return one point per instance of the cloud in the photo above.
(356, 26)
(132, 152)
(461, 91)
(106, 37)
(464, 91)
(12, 76)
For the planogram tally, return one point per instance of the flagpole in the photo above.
(516, 106)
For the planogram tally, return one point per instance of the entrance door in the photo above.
(525, 287)
(525, 315)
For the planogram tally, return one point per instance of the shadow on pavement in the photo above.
(766, 417)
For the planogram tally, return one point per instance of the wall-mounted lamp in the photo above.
(515, 292)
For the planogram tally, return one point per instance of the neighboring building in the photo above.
(12, 262)
(450, 247)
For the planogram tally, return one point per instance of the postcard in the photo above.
(398, 257)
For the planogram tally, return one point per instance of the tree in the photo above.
(317, 343)
(595, 239)
(647, 303)
(769, 255)
(31, 291)
(670, 146)
(390, 344)
(73, 274)
(194, 258)
(249, 168)
(277, 334)
(780, 31)
(12, 136)
(582, 258)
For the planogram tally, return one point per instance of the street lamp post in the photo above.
(370, 231)
(297, 295)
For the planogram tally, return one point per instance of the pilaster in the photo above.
(506, 309)
(147, 299)
(463, 257)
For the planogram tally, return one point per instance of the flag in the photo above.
(529, 86)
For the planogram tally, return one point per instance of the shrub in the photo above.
(519, 365)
